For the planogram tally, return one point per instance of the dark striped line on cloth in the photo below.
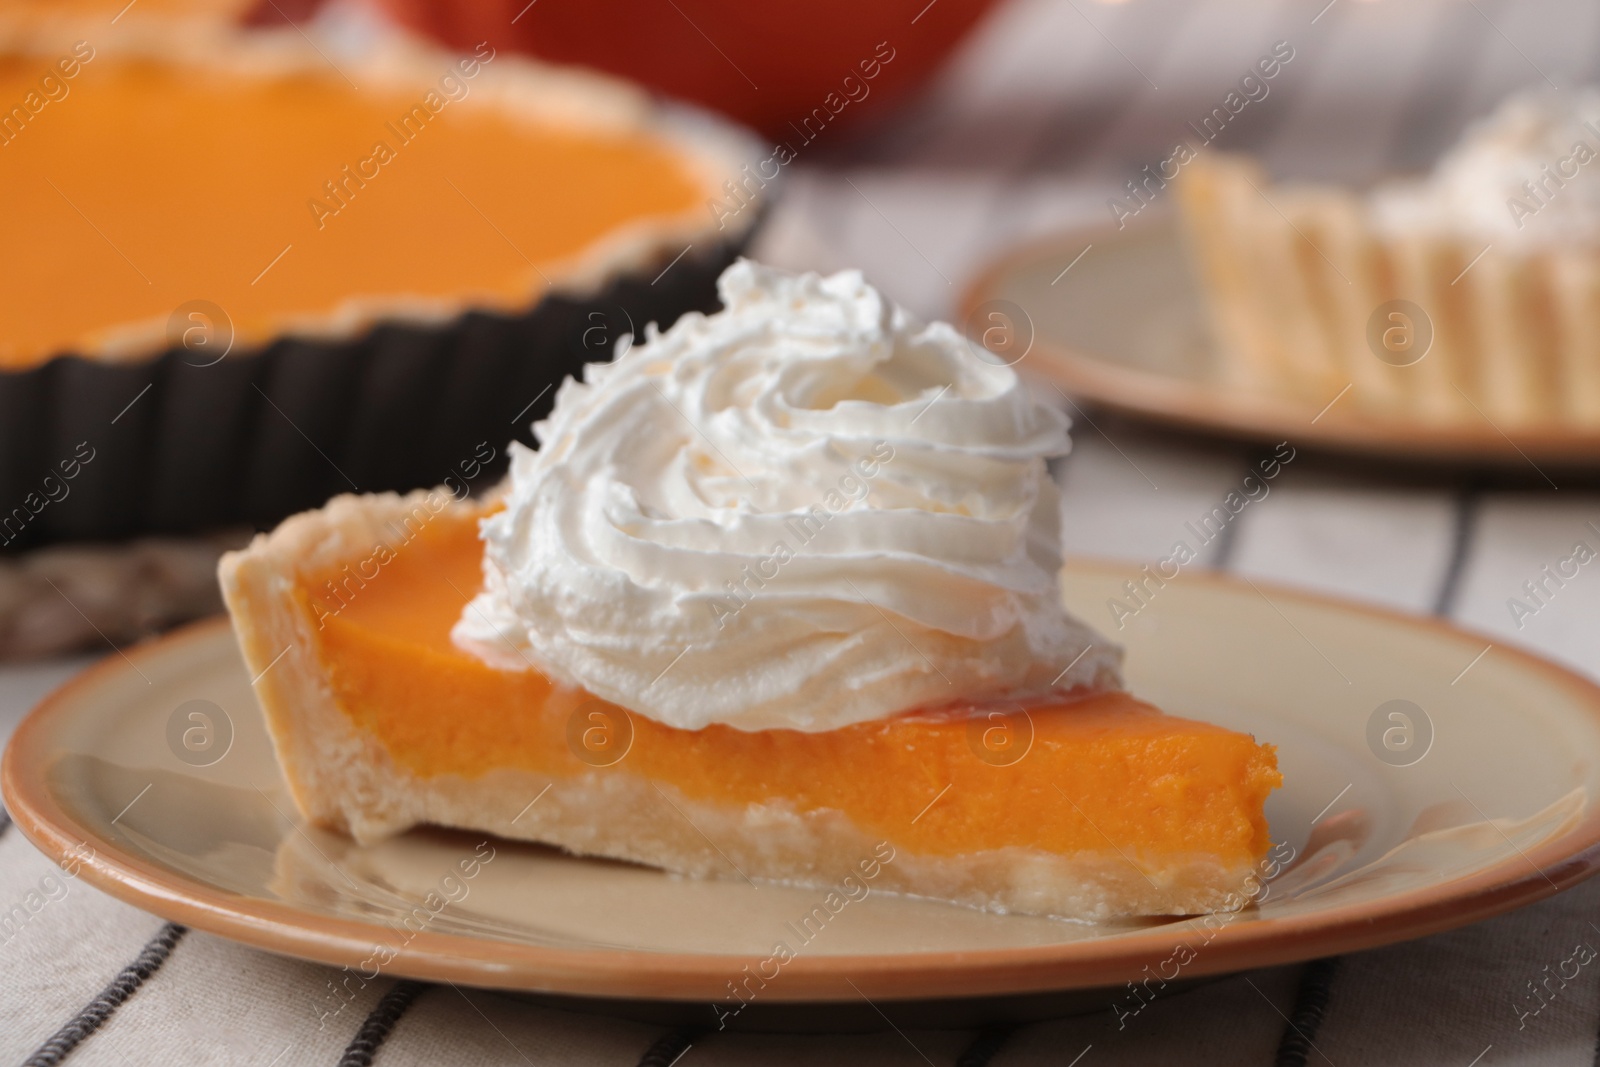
(5, 821)
(1227, 539)
(666, 1049)
(94, 1014)
(1310, 1005)
(985, 1046)
(1468, 503)
(1316, 982)
(380, 1022)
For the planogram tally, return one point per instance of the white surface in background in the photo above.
(22, 685)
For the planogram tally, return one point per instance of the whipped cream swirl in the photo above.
(805, 511)
(1528, 173)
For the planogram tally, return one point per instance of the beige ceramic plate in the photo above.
(1125, 327)
(1497, 808)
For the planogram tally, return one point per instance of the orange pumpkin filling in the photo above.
(134, 186)
(1104, 769)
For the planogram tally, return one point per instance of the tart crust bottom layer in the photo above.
(1095, 809)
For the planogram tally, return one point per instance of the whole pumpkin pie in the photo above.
(776, 599)
(331, 272)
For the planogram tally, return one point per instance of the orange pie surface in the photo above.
(1107, 768)
(136, 186)
(216, 9)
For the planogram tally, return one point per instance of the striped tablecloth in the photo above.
(1052, 106)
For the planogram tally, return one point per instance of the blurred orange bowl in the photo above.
(786, 67)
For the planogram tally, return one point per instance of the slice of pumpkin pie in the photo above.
(776, 597)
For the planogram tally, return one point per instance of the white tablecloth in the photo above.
(1051, 107)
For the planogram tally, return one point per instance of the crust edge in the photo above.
(336, 776)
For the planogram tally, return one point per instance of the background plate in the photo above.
(1495, 809)
(1125, 327)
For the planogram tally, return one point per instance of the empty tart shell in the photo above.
(1309, 295)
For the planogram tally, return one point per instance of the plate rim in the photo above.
(607, 973)
(1236, 413)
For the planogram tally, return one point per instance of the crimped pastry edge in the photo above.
(1293, 274)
